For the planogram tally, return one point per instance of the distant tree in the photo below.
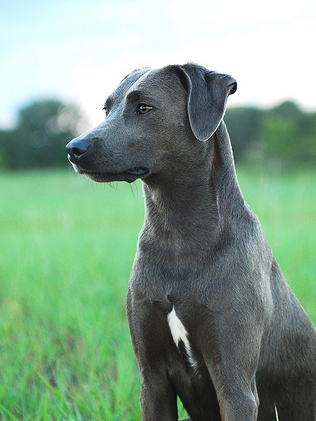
(282, 135)
(243, 124)
(43, 129)
(287, 134)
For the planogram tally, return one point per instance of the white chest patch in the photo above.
(179, 333)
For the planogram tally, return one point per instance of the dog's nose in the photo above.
(77, 147)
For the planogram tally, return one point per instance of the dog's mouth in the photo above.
(129, 176)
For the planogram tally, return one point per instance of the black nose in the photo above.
(77, 147)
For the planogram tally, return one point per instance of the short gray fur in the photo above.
(200, 251)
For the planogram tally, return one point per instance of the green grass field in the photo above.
(66, 250)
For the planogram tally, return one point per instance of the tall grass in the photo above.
(66, 250)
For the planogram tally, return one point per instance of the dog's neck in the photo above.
(192, 208)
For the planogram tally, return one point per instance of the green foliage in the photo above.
(39, 138)
(280, 137)
(286, 132)
(283, 136)
(243, 124)
(66, 251)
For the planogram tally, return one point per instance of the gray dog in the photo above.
(211, 317)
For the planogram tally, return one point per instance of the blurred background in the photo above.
(67, 244)
(60, 59)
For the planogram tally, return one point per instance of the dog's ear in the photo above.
(207, 96)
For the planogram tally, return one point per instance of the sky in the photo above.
(79, 50)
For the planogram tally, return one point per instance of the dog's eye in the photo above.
(105, 109)
(143, 109)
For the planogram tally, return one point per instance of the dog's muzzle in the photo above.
(76, 148)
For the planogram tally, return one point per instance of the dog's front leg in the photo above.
(237, 397)
(232, 366)
(150, 338)
(158, 398)
(238, 406)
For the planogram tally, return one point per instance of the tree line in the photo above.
(283, 135)
(39, 137)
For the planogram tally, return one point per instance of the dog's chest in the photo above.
(166, 320)
(180, 336)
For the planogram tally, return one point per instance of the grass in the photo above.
(66, 250)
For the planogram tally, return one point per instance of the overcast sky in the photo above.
(79, 50)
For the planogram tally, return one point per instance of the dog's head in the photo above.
(152, 122)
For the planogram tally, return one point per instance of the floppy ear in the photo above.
(207, 96)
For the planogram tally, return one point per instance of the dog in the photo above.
(211, 317)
